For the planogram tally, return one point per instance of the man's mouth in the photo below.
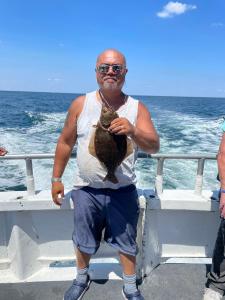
(110, 79)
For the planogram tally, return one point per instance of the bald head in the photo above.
(111, 80)
(111, 53)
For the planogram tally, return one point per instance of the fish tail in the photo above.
(111, 177)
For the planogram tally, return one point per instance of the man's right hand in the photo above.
(222, 205)
(57, 192)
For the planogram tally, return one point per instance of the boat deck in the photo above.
(166, 282)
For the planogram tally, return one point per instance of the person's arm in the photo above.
(221, 168)
(143, 134)
(64, 148)
(3, 151)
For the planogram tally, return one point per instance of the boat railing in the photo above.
(200, 158)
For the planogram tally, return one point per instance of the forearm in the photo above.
(62, 155)
(221, 168)
(147, 141)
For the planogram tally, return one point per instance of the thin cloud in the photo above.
(175, 8)
(217, 24)
(54, 79)
(61, 45)
(221, 91)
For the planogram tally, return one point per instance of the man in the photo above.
(216, 277)
(3, 151)
(99, 203)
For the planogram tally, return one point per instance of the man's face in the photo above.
(111, 71)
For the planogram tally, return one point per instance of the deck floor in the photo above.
(166, 282)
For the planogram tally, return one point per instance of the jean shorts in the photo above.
(116, 211)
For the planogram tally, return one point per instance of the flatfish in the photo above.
(110, 149)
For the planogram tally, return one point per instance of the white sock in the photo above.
(130, 285)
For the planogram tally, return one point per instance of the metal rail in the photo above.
(201, 158)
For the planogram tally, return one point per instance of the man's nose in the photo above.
(110, 70)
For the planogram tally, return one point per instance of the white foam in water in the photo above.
(179, 133)
(197, 136)
(40, 138)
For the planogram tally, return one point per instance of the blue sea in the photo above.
(31, 122)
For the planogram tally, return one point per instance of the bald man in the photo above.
(101, 203)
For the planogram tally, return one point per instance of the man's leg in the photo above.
(82, 281)
(130, 290)
(121, 232)
(86, 238)
(82, 259)
(128, 263)
(216, 277)
(82, 262)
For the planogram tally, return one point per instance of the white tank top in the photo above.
(90, 171)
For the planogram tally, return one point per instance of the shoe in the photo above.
(210, 294)
(77, 290)
(134, 296)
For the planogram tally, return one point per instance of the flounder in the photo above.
(110, 149)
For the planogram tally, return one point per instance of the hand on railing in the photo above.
(3, 151)
(57, 192)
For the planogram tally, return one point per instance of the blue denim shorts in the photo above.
(116, 211)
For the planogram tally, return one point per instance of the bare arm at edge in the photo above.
(144, 134)
(221, 168)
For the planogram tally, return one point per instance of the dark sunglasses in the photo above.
(104, 68)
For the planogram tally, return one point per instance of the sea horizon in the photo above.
(140, 95)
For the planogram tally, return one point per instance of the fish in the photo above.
(110, 149)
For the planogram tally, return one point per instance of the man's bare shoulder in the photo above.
(141, 105)
(142, 108)
(77, 105)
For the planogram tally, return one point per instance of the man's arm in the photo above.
(65, 146)
(143, 134)
(221, 168)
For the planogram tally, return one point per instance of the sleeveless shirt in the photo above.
(90, 172)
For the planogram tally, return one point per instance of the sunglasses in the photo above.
(104, 68)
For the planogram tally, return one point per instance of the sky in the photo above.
(173, 48)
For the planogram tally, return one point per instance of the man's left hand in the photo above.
(122, 126)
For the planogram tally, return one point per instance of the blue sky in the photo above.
(172, 47)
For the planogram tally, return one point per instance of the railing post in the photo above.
(30, 177)
(199, 176)
(159, 176)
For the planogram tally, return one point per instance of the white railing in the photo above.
(201, 158)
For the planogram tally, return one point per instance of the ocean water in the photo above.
(31, 122)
